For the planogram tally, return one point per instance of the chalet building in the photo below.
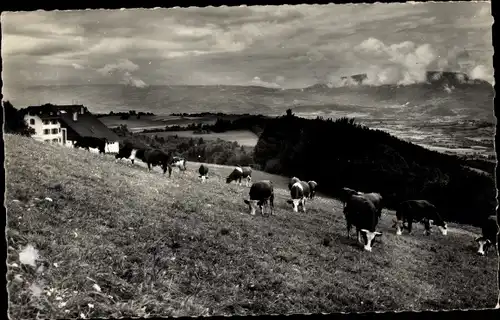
(63, 124)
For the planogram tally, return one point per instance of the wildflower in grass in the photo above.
(18, 278)
(49, 199)
(96, 287)
(28, 255)
(35, 290)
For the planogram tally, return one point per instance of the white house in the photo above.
(65, 124)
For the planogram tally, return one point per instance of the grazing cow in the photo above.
(240, 173)
(261, 193)
(292, 182)
(362, 213)
(376, 199)
(299, 192)
(488, 237)
(154, 157)
(127, 151)
(346, 193)
(312, 186)
(419, 211)
(91, 142)
(179, 162)
(203, 170)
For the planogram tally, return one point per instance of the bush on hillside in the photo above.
(14, 121)
(343, 153)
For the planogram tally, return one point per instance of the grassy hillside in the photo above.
(175, 247)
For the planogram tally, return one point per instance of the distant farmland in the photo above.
(242, 137)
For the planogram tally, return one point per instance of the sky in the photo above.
(273, 46)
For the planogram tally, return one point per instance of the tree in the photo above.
(14, 121)
(289, 113)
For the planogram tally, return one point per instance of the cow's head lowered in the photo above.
(484, 245)
(442, 226)
(369, 238)
(253, 205)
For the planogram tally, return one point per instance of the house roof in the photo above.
(88, 125)
(47, 109)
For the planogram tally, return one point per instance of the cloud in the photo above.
(256, 81)
(408, 62)
(123, 70)
(483, 73)
(230, 45)
(77, 66)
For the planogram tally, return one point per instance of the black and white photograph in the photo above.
(250, 160)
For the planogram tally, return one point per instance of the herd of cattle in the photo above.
(361, 210)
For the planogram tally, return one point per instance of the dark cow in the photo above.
(128, 152)
(179, 162)
(376, 199)
(292, 182)
(419, 211)
(154, 157)
(312, 186)
(91, 142)
(346, 193)
(203, 170)
(299, 192)
(488, 238)
(240, 173)
(362, 213)
(261, 193)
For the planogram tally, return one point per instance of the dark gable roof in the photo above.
(88, 126)
(46, 109)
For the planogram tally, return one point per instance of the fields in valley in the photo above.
(243, 137)
(175, 247)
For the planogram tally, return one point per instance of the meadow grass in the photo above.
(176, 247)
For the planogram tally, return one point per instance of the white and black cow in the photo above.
(488, 238)
(292, 182)
(419, 211)
(128, 152)
(240, 173)
(299, 192)
(312, 187)
(261, 193)
(361, 213)
(179, 162)
(203, 171)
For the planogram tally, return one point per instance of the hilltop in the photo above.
(175, 247)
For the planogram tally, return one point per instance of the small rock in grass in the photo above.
(49, 199)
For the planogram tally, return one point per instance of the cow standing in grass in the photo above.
(299, 192)
(376, 199)
(292, 182)
(240, 173)
(261, 193)
(362, 213)
(489, 230)
(91, 142)
(312, 186)
(203, 171)
(128, 152)
(419, 211)
(179, 162)
(154, 157)
(346, 193)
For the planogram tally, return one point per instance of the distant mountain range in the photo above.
(446, 95)
(437, 78)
